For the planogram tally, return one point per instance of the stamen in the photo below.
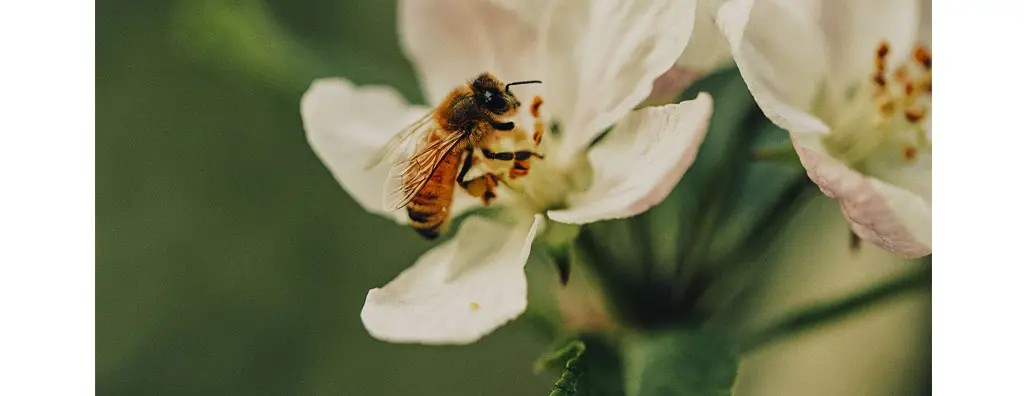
(880, 55)
(902, 91)
(909, 153)
(914, 115)
(923, 57)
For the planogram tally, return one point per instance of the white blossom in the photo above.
(598, 61)
(851, 82)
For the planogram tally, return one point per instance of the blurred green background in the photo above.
(229, 261)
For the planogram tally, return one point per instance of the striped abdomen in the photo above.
(428, 210)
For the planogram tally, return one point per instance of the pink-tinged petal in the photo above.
(450, 42)
(459, 291)
(670, 84)
(601, 58)
(640, 161)
(854, 30)
(780, 51)
(346, 124)
(891, 217)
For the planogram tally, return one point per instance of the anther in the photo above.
(879, 79)
(914, 115)
(909, 153)
(883, 49)
(535, 106)
(922, 56)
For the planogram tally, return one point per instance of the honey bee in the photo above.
(446, 138)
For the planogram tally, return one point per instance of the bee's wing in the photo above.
(401, 140)
(407, 177)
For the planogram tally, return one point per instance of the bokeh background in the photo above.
(229, 261)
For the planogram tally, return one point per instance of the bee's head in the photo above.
(495, 96)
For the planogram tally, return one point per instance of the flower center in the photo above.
(886, 117)
(541, 182)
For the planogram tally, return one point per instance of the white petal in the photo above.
(924, 29)
(854, 29)
(450, 42)
(458, 291)
(781, 54)
(891, 217)
(345, 124)
(640, 161)
(601, 58)
(707, 49)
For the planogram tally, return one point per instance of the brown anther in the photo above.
(914, 115)
(535, 106)
(908, 88)
(922, 56)
(909, 153)
(883, 49)
(879, 79)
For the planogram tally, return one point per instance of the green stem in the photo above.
(819, 314)
(729, 288)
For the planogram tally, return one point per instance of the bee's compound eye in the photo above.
(495, 102)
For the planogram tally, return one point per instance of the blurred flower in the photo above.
(851, 82)
(603, 160)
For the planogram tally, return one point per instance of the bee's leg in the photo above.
(466, 164)
(482, 187)
(520, 164)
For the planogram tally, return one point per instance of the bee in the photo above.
(446, 139)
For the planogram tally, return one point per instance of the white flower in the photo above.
(597, 60)
(851, 82)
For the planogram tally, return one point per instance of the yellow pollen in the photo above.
(474, 306)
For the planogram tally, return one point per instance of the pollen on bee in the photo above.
(474, 306)
(535, 106)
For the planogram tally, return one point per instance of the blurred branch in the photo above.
(243, 37)
(819, 314)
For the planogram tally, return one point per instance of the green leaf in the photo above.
(571, 350)
(679, 362)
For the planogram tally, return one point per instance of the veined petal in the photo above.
(458, 291)
(780, 52)
(891, 217)
(640, 161)
(854, 29)
(346, 124)
(452, 41)
(601, 58)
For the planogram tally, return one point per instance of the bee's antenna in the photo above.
(520, 83)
